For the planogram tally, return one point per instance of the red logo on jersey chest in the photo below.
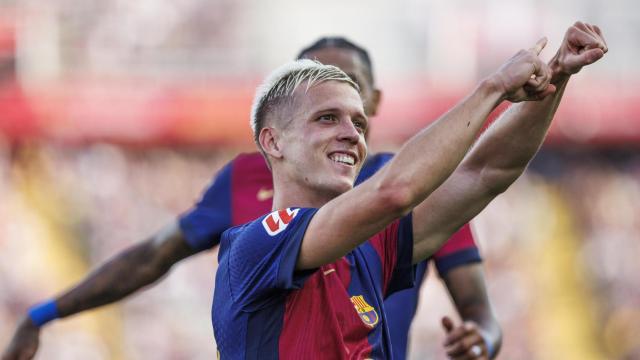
(277, 221)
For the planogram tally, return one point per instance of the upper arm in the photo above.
(460, 249)
(468, 291)
(170, 246)
(345, 222)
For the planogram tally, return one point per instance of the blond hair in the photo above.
(284, 81)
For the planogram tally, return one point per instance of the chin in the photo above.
(343, 187)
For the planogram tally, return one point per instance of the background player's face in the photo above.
(323, 143)
(352, 64)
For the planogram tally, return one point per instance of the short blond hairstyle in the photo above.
(281, 84)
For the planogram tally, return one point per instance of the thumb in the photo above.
(585, 58)
(592, 55)
(447, 324)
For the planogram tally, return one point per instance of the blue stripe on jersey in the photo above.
(254, 272)
(401, 308)
(261, 345)
(372, 165)
(203, 224)
(399, 283)
(462, 257)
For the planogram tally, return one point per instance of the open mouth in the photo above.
(343, 158)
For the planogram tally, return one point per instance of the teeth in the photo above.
(343, 158)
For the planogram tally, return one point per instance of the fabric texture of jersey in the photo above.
(264, 309)
(401, 307)
(243, 191)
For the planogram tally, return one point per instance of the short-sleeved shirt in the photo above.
(243, 190)
(264, 309)
(401, 307)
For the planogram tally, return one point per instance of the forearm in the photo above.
(127, 272)
(493, 335)
(504, 150)
(467, 287)
(425, 161)
(116, 279)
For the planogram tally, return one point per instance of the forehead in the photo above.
(347, 60)
(335, 95)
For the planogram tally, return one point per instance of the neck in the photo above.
(288, 193)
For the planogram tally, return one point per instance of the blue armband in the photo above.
(44, 312)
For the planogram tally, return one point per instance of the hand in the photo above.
(583, 44)
(464, 341)
(525, 76)
(24, 344)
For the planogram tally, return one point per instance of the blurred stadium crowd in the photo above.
(114, 116)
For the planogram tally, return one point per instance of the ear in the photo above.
(268, 139)
(376, 97)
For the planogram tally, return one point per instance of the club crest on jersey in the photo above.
(366, 312)
(277, 221)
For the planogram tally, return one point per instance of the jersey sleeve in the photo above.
(460, 249)
(203, 224)
(261, 259)
(394, 246)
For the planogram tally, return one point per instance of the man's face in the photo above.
(323, 142)
(351, 63)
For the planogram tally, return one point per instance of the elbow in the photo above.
(495, 181)
(149, 265)
(396, 198)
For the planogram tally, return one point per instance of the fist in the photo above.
(583, 44)
(24, 344)
(464, 341)
(525, 76)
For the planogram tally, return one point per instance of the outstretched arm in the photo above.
(124, 274)
(503, 152)
(423, 163)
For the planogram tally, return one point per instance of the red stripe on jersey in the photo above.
(320, 320)
(461, 240)
(251, 188)
(386, 245)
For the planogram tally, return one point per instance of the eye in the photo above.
(360, 124)
(328, 118)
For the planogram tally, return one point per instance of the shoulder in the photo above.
(272, 224)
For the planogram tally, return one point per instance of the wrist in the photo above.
(43, 313)
(558, 73)
(493, 87)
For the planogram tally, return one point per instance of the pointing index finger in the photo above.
(537, 48)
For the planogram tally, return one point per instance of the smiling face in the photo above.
(320, 143)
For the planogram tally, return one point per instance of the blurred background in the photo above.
(114, 116)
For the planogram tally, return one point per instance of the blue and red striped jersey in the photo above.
(264, 309)
(242, 191)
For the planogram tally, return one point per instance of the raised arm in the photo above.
(127, 272)
(503, 152)
(422, 164)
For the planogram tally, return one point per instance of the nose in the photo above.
(348, 131)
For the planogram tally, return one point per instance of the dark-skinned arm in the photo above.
(468, 291)
(127, 272)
